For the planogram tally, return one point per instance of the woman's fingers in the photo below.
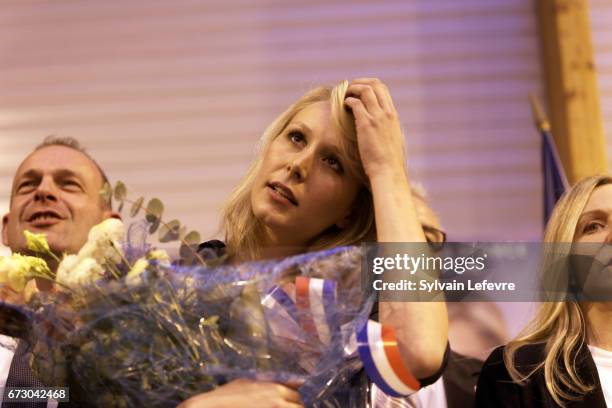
(364, 120)
(367, 96)
(362, 116)
(380, 90)
(243, 393)
(290, 395)
(379, 133)
(294, 384)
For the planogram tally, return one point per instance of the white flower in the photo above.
(66, 268)
(133, 276)
(102, 248)
(74, 271)
(87, 271)
(111, 229)
(108, 253)
(103, 242)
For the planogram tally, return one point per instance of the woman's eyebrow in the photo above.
(593, 214)
(302, 126)
(331, 148)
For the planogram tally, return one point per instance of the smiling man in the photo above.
(55, 191)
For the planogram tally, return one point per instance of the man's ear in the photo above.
(5, 221)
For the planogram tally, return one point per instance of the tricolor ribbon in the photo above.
(316, 303)
(381, 359)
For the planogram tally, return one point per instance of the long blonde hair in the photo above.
(238, 222)
(560, 326)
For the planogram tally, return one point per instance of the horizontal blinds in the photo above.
(171, 97)
(601, 16)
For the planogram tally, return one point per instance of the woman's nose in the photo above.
(299, 166)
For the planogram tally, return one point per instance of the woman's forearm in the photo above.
(421, 327)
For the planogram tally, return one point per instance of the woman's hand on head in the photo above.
(247, 393)
(379, 134)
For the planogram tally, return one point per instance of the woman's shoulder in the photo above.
(494, 365)
(496, 386)
(526, 358)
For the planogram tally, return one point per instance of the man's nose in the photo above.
(46, 190)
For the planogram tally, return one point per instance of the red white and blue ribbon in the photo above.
(312, 312)
(316, 303)
(381, 359)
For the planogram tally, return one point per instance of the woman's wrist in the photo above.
(388, 175)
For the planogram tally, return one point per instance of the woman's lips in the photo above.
(279, 197)
(281, 190)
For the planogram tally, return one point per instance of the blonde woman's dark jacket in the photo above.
(496, 388)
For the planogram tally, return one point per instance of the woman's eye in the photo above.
(334, 163)
(296, 137)
(592, 227)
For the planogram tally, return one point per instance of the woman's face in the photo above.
(593, 267)
(303, 186)
(595, 222)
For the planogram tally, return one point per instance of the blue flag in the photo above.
(555, 182)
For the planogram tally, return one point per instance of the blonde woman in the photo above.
(564, 356)
(331, 172)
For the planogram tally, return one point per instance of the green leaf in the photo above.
(120, 191)
(189, 247)
(169, 231)
(106, 192)
(193, 238)
(187, 254)
(154, 210)
(136, 206)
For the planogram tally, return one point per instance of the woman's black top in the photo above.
(496, 388)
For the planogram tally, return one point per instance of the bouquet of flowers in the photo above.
(126, 327)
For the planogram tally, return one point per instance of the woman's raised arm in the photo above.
(421, 327)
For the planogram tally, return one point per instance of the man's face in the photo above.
(56, 192)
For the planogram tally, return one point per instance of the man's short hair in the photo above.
(72, 143)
